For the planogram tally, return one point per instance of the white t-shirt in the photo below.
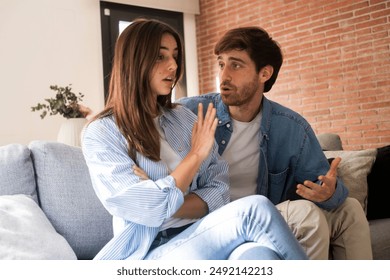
(243, 153)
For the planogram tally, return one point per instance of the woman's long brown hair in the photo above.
(130, 98)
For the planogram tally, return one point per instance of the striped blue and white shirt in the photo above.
(140, 207)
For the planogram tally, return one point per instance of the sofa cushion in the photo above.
(16, 171)
(378, 186)
(68, 199)
(26, 233)
(353, 170)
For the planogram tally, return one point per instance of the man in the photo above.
(273, 151)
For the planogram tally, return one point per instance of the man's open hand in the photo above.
(320, 193)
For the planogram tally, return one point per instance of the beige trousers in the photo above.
(340, 234)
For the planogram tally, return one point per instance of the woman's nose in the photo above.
(172, 64)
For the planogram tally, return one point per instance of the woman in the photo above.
(155, 165)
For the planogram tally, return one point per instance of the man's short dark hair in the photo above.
(261, 48)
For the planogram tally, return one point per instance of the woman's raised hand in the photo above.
(202, 142)
(203, 132)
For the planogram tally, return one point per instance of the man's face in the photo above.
(239, 79)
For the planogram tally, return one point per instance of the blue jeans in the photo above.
(248, 228)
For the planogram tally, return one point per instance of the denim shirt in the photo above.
(139, 207)
(289, 150)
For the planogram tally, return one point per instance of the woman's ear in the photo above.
(266, 73)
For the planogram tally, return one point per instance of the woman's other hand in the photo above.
(140, 172)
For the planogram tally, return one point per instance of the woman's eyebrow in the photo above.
(166, 48)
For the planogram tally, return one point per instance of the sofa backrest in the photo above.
(67, 197)
(17, 171)
(330, 142)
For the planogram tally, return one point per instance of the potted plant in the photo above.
(66, 103)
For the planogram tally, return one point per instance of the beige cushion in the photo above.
(353, 170)
(26, 233)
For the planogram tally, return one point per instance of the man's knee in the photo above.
(304, 217)
(350, 231)
(301, 210)
(309, 225)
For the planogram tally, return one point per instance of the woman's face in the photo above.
(164, 71)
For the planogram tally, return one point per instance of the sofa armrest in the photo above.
(17, 171)
(67, 197)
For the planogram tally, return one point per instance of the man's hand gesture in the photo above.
(320, 193)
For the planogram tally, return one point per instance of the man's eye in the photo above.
(220, 65)
(236, 66)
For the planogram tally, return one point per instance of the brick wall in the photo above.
(336, 71)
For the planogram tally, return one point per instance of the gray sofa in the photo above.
(70, 222)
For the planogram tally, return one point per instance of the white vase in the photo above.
(70, 131)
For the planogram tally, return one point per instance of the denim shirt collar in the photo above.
(224, 116)
(266, 118)
(222, 112)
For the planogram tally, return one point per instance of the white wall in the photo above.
(46, 42)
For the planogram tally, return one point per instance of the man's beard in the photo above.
(244, 96)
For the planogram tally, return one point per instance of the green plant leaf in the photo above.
(65, 103)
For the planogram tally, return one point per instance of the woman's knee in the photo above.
(258, 203)
(256, 200)
(255, 205)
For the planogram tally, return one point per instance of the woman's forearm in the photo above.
(186, 170)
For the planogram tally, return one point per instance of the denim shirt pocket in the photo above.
(277, 182)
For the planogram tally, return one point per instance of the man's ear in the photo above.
(266, 73)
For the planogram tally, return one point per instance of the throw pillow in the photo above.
(378, 189)
(26, 233)
(353, 171)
